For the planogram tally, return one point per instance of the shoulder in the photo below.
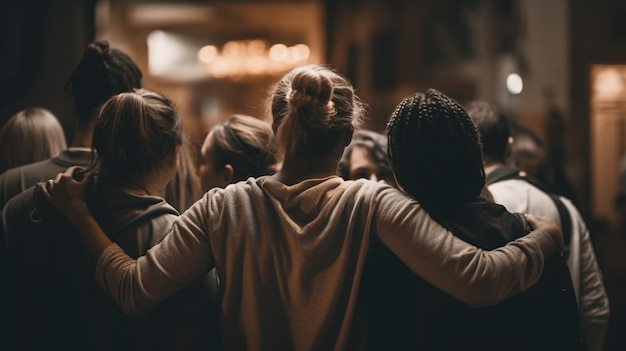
(569, 204)
(16, 180)
(362, 192)
(520, 196)
(18, 212)
(516, 186)
(20, 205)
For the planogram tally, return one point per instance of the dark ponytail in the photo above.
(136, 131)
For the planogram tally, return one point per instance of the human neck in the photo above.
(83, 136)
(296, 170)
(492, 167)
(149, 184)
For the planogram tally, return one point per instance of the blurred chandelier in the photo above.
(251, 57)
(180, 57)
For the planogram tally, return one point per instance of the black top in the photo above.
(407, 313)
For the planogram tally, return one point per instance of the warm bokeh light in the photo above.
(191, 58)
(514, 83)
(165, 52)
(299, 52)
(256, 47)
(279, 52)
(251, 57)
(233, 48)
(609, 84)
(208, 53)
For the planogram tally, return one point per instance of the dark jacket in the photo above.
(407, 313)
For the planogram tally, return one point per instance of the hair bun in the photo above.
(96, 51)
(312, 90)
(312, 87)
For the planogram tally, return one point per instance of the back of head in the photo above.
(434, 150)
(494, 130)
(135, 132)
(529, 154)
(102, 72)
(375, 145)
(31, 135)
(313, 110)
(247, 144)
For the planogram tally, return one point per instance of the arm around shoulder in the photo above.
(472, 275)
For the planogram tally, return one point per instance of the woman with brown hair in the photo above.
(240, 148)
(137, 139)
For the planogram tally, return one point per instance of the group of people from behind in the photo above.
(273, 249)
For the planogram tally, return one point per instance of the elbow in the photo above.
(484, 287)
(484, 298)
(131, 309)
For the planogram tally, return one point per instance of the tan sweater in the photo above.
(290, 259)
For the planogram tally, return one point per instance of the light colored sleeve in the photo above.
(474, 276)
(182, 257)
(593, 301)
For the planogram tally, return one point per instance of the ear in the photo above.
(177, 154)
(509, 147)
(229, 174)
(347, 137)
(172, 158)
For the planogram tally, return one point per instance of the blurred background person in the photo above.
(242, 147)
(521, 192)
(31, 135)
(366, 157)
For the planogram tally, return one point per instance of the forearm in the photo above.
(594, 335)
(181, 258)
(474, 276)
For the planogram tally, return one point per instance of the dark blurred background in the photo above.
(557, 67)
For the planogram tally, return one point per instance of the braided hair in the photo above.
(101, 73)
(434, 150)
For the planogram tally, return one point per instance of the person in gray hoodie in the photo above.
(54, 301)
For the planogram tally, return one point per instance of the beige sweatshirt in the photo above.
(290, 259)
